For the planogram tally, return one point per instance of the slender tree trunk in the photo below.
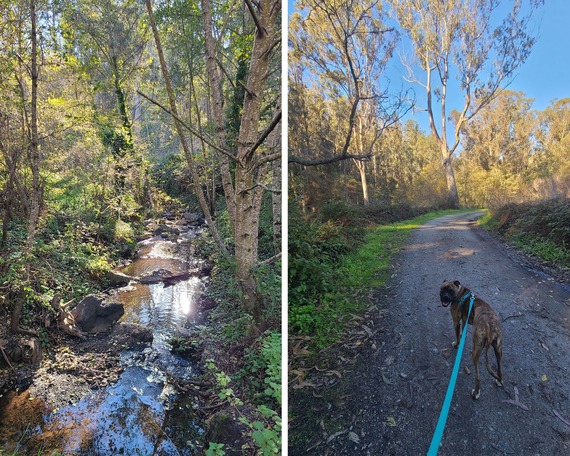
(274, 142)
(361, 166)
(187, 152)
(34, 156)
(34, 146)
(217, 109)
(453, 195)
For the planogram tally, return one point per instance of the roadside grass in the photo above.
(356, 273)
(540, 229)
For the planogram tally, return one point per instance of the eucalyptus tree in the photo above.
(344, 48)
(252, 156)
(463, 45)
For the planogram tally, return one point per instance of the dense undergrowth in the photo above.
(77, 243)
(541, 229)
(336, 258)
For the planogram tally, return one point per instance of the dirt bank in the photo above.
(383, 396)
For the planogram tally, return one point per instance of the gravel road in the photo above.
(388, 401)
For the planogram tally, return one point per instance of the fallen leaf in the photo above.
(335, 435)
(354, 437)
(391, 421)
(334, 372)
(467, 371)
(517, 403)
(368, 330)
(304, 385)
(385, 380)
(544, 377)
(543, 345)
(567, 423)
(516, 394)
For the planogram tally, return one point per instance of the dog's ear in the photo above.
(456, 283)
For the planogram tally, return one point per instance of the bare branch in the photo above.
(328, 160)
(255, 17)
(266, 159)
(263, 186)
(187, 127)
(265, 133)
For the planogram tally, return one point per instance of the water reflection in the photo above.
(132, 416)
(126, 419)
(163, 309)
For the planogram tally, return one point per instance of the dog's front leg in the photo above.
(457, 326)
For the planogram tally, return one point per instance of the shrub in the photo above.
(542, 229)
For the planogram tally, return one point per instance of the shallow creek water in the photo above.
(137, 415)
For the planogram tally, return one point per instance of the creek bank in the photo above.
(72, 369)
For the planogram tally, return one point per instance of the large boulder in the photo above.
(93, 314)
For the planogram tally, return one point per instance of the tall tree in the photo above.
(110, 38)
(245, 164)
(463, 40)
(187, 152)
(343, 48)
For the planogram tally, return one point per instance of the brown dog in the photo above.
(486, 327)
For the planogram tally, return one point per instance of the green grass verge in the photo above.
(541, 229)
(357, 272)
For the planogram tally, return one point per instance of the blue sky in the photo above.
(545, 76)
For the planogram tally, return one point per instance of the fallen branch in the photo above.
(6, 358)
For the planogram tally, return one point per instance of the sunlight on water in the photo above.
(131, 417)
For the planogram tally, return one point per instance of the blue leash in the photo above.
(438, 434)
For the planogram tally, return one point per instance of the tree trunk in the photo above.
(34, 146)
(34, 156)
(247, 196)
(217, 109)
(452, 194)
(187, 152)
(363, 182)
(274, 143)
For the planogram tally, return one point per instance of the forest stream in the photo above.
(140, 412)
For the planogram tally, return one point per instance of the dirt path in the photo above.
(389, 400)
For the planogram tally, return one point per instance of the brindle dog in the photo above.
(486, 327)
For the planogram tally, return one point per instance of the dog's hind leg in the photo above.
(477, 347)
(497, 347)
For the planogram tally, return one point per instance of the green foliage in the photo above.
(171, 175)
(327, 284)
(266, 430)
(541, 229)
(215, 449)
(261, 373)
(267, 433)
